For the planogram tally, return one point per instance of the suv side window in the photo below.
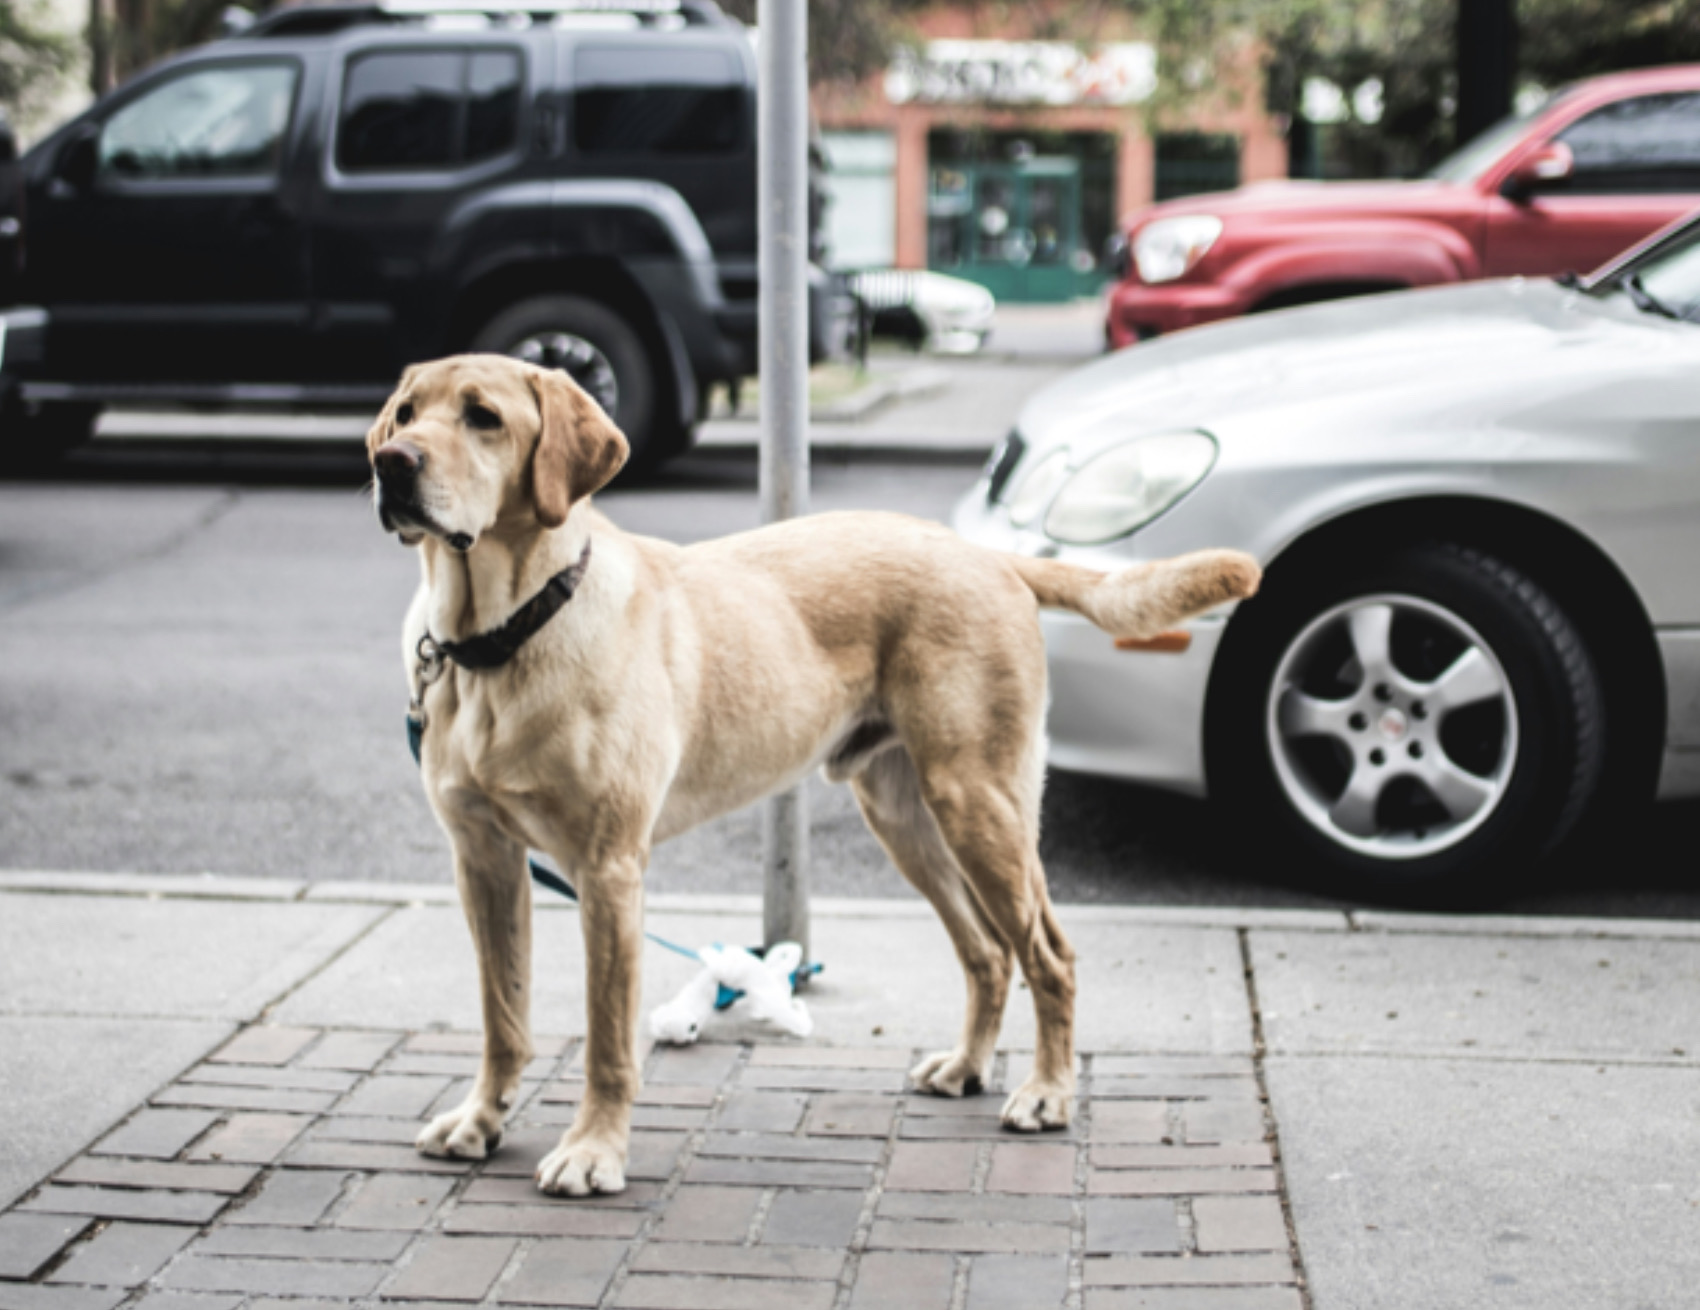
(492, 104)
(633, 101)
(407, 110)
(1649, 144)
(226, 121)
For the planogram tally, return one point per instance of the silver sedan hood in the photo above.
(1515, 354)
(1575, 406)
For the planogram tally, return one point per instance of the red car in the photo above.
(1597, 167)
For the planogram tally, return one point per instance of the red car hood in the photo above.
(1325, 198)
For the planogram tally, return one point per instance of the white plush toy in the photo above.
(765, 984)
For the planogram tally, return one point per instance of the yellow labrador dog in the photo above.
(638, 688)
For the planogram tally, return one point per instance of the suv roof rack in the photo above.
(322, 19)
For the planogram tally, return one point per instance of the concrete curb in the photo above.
(156, 886)
(873, 395)
(927, 380)
(210, 886)
(1494, 925)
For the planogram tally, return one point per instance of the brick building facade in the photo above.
(1003, 145)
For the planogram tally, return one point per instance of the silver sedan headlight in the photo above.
(1126, 487)
(1037, 486)
(1166, 249)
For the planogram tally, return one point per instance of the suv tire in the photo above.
(37, 437)
(1420, 730)
(598, 349)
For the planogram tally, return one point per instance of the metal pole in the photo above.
(782, 233)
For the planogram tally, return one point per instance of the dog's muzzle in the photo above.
(398, 465)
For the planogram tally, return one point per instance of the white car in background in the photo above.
(949, 315)
(1479, 512)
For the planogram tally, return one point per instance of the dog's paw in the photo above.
(469, 1132)
(582, 1167)
(949, 1073)
(1034, 1107)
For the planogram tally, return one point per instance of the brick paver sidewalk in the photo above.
(788, 1177)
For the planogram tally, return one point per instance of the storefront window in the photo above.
(1025, 214)
(861, 214)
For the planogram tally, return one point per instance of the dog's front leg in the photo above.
(495, 891)
(592, 1153)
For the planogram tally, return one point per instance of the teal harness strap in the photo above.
(544, 876)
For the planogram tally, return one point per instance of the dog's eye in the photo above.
(478, 416)
(403, 415)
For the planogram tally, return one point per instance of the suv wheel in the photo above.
(1422, 732)
(38, 436)
(597, 348)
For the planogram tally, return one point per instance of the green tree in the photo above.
(32, 56)
(1406, 47)
(1565, 39)
(125, 36)
(848, 39)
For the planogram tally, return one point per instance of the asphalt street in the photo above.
(201, 674)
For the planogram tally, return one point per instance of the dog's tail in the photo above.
(1145, 600)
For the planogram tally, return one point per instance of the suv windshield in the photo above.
(1470, 161)
(1666, 282)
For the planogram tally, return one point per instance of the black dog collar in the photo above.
(491, 650)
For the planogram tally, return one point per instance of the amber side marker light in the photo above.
(1175, 642)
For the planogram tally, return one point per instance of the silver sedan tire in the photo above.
(1426, 728)
(1389, 730)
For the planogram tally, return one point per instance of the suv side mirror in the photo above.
(1553, 162)
(8, 141)
(78, 158)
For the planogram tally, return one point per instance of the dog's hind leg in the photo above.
(890, 796)
(495, 892)
(990, 823)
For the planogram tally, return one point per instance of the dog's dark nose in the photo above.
(398, 460)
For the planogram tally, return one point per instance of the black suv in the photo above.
(292, 215)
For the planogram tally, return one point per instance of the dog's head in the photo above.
(476, 441)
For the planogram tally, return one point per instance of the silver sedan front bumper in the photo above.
(1126, 714)
(1129, 714)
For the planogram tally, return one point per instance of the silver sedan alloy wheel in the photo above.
(1363, 748)
(578, 358)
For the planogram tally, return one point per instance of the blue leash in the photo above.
(544, 876)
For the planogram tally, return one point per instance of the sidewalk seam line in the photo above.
(1081, 1123)
(1258, 1051)
(270, 1008)
(47, 1179)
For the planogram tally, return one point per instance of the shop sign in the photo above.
(1022, 73)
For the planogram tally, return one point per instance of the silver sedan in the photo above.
(1479, 512)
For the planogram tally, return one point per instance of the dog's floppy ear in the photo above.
(578, 451)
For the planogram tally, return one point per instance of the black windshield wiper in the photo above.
(1645, 300)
